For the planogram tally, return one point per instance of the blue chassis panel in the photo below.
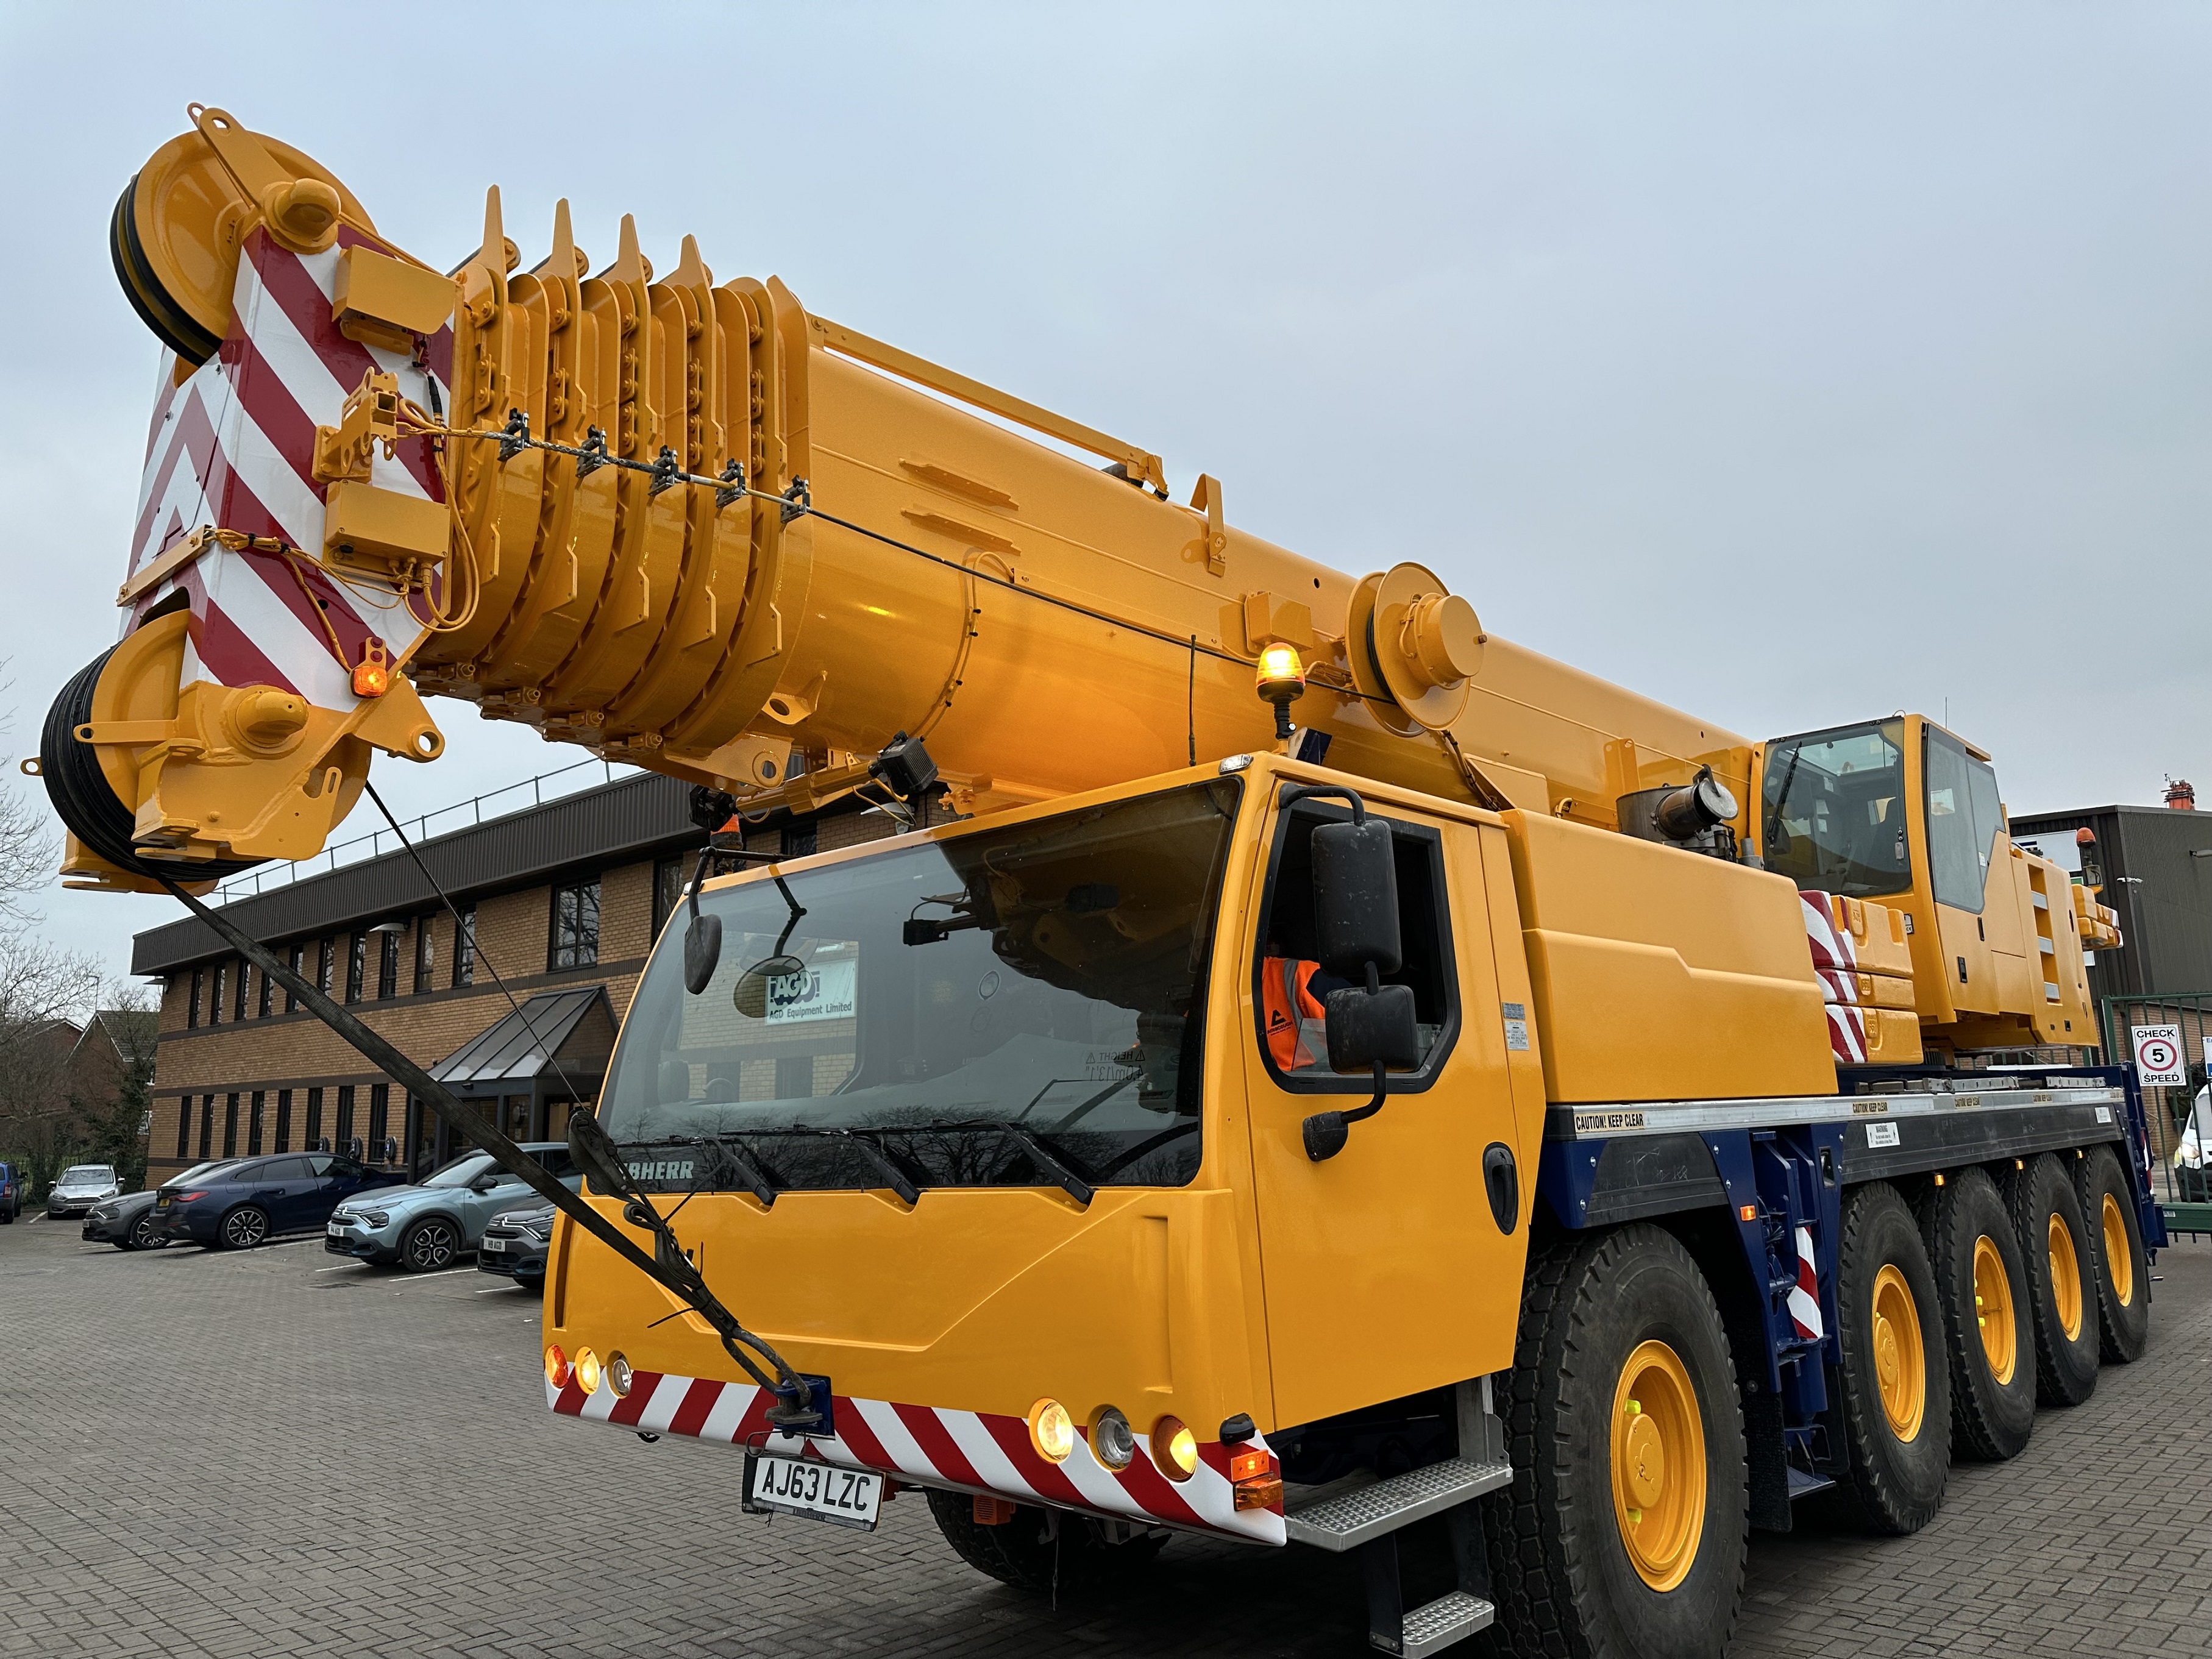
(1792, 1176)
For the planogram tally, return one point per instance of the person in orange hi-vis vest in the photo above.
(1291, 989)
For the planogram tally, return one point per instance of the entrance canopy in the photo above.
(554, 1044)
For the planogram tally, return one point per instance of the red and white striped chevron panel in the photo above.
(1835, 963)
(1805, 1295)
(966, 1451)
(234, 447)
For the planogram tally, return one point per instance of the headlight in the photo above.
(618, 1375)
(587, 1372)
(1052, 1430)
(1113, 1441)
(1175, 1448)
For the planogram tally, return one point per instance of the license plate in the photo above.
(496, 1246)
(334, 1230)
(160, 1203)
(844, 1498)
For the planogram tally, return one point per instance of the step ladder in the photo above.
(1366, 1513)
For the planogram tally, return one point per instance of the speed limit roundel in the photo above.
(2158, 1056)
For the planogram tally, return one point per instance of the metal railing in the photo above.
(530, 792)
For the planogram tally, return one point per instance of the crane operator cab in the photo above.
(1900, 823)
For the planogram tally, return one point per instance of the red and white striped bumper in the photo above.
(962, 1451)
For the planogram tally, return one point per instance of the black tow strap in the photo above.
(597, 1155)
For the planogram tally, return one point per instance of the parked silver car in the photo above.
(429, 1227)
(83, 1186)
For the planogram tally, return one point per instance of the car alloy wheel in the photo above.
(142, 1236)
(244, 1228)
(430, 1245)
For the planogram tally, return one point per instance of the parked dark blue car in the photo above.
(11, 1194)
(240, 1204)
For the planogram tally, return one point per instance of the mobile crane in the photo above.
(1496, 1101)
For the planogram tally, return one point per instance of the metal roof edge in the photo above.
(516, 849)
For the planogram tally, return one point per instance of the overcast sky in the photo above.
(1790, 364)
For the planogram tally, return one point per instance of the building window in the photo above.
(465, 947)
(356, 966)
(425, 953)
(230, 1126)
(799, 841)
(576, 942)
(264, 1003)
(313, 1140)
(192, 1007)
(387, 966)
(206, 1125)
(345, 1119)
(253, 1124)
(300, 968)
(215, 1001)
(284, 1118)
(184, 1127)
(379, 1114)
(669, 877)
(237, 993)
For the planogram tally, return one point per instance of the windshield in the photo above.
(1833, 820)
(461, 1170)
(908, 1004)
(86, 1174)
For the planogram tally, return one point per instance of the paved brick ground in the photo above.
(220, 1454)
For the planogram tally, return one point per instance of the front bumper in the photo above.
(936, 1446)
(523, 1260)
(362, 1242)
(59, 1209)
(108, 1229)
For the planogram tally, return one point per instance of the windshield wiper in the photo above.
(756, 1179)
(1030, 1142)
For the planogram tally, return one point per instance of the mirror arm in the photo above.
(1325, 1133)
(1293, 792)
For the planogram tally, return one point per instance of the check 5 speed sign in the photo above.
(2158, 1057)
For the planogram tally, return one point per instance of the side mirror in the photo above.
(1355, 893)
(1367, 1029)
(1355, 898)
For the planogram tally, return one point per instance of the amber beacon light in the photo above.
(1281, 681)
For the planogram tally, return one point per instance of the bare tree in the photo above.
(27, 846)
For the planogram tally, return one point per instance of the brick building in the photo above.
(562, 899)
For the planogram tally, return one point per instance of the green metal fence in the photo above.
(2181, 1163)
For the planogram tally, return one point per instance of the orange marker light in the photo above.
(1748, 1212)
(1261, 1492)
(1175, 1448)
(1245, 1465)
(557, 1367)
(371, 679)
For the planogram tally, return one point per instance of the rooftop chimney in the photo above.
(2181, 794)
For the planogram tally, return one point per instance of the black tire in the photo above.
(1983, 1284)
(430, 1245)
(2046, 1214)
(244, 1227)
(2122, 1273)
(1565, 1580)
(1896, 1387)
(1022, 1553)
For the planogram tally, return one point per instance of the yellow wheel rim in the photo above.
(1993, 1309)
(1900, 1359)
(2065, 1276)
(2119, 1260)
(1658, 1466)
